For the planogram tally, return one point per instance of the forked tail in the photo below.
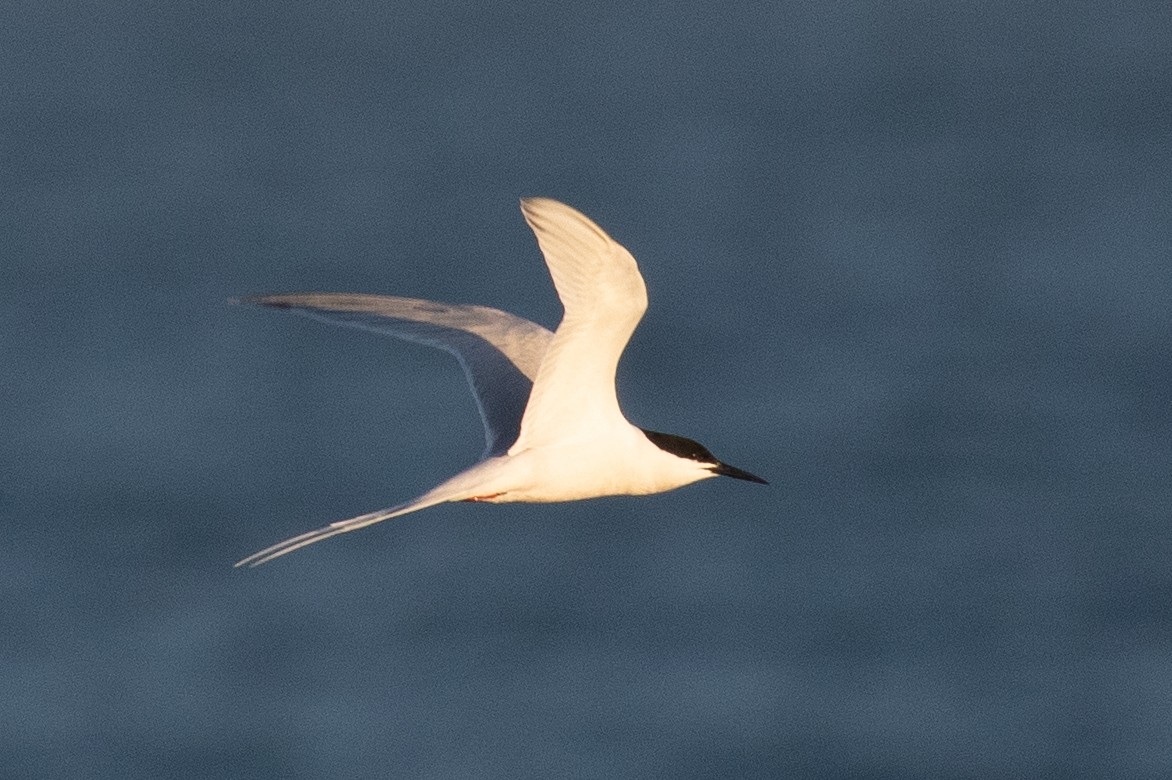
(469, 484)
(333, 529)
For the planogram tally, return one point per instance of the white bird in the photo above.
(551, 417)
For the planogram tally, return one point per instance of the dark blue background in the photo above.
(909, 261)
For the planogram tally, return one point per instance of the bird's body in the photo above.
(553, 425)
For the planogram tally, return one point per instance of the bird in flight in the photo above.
(552, 421)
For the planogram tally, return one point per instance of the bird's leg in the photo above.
(478, 499)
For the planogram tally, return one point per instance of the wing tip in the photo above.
(549, 218)
(534, 205)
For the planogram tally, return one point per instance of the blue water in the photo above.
(909, 262)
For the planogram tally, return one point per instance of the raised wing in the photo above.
(604, 298)
(500, 352)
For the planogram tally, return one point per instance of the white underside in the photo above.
(617, 460)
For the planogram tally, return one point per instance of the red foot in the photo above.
(478, 499)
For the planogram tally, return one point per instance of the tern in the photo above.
(552, 421)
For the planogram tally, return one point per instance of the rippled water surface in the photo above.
(910, 263)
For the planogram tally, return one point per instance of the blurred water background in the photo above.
(909, 261)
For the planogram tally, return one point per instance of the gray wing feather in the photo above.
(500, 353)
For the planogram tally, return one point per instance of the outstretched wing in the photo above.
(500, 352)
(604, 298)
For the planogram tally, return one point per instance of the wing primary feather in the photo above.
(500, 353)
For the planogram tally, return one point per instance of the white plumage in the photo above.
(553, 426)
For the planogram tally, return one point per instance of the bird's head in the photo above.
(704, 463)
